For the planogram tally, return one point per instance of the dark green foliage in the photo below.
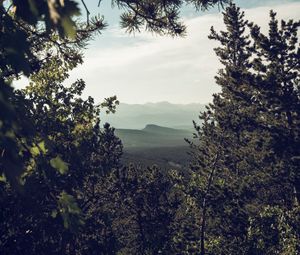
(275, 230)
(220, 155)
(52, 147)
(63, 189)
(144, 206)
(41, 45)
(246, 164)
(68, 146)
(278, 91)
(50, 139)
(158, 16)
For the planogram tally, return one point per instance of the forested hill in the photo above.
(153, 136)
(164, 146)
(137, 116)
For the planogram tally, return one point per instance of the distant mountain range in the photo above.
(137, 116)
(155, 132)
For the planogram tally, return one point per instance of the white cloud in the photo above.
(152, 68)
(145, 67)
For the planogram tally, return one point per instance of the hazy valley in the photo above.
(166, 145)
(155, 132)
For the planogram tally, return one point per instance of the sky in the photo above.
(145, 68)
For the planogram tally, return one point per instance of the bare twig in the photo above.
(87, 13)
(204, 205)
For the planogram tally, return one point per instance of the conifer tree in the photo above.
(276, 63)
(220, 164)
(249, 140)
(144, 205)
(278, 66)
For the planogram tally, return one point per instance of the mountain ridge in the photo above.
(160, 129)
(165, 114)
(152, 136)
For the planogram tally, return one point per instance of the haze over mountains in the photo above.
(138, 116)
(155, 131)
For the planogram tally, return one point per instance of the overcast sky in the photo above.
(148, 68)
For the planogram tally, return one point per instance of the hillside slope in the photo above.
(164, 146)
(153, 136)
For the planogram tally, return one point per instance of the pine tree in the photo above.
(221, 139)
(278, 65)
(249, 141)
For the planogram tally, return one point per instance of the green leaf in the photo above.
(38, 149)
(42, 147)
(35, 151)
(54, 213)
(2, 178)
(60, 165)
(71, 213)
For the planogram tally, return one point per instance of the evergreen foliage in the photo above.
(63, 188)
(245, 164)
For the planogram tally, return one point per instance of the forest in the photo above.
(64, 188)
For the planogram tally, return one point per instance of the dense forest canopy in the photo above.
(63, 187)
